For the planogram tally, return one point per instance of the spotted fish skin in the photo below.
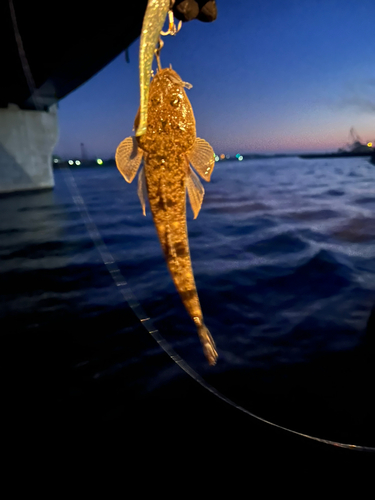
(167, 147)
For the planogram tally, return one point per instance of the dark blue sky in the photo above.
(267, 76)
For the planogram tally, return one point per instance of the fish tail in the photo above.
(208, 344)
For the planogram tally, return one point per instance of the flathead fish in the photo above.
(153, 21)
(168, 148)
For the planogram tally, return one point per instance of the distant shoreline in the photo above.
(111, 162)
(250, 156)
(84, 163)
(343, 154)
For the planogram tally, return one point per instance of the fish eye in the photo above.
(155, 100)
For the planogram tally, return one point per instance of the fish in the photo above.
(154, 18)
(171, 154)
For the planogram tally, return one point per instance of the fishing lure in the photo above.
(153, 21)
(167, 147)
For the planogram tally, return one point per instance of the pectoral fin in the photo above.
(202, 157)
(195, 191)
(142, 190)
(128, 158)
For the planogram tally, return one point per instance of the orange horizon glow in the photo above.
(292, 142)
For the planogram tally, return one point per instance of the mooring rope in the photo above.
(24, 62)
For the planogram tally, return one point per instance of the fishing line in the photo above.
(147, 322)
(124, 287)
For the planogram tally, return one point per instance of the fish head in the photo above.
(170, 121)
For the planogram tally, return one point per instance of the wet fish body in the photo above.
(167, 148)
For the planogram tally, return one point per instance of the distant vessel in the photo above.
(356, 148)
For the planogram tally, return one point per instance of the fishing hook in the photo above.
(172, 29)
(157, 52)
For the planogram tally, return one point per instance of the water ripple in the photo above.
(284, 269)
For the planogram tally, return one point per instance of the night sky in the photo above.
(268, 77)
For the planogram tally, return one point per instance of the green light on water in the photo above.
(78, 162)
(217, 158)
(240, 158)
(70, 162)
(99, 161)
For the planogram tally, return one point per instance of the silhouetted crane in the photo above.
(356, 140)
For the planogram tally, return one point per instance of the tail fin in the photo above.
(208, 344)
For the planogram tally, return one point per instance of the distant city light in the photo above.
(78, 162)
(99, 161)
(55, 160)
(71, 162)
(240, 158)
(227, 157)
(222, 157)
(217, 158)
(238, 155)
(369, 144)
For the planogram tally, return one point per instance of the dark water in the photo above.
(284, 259)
